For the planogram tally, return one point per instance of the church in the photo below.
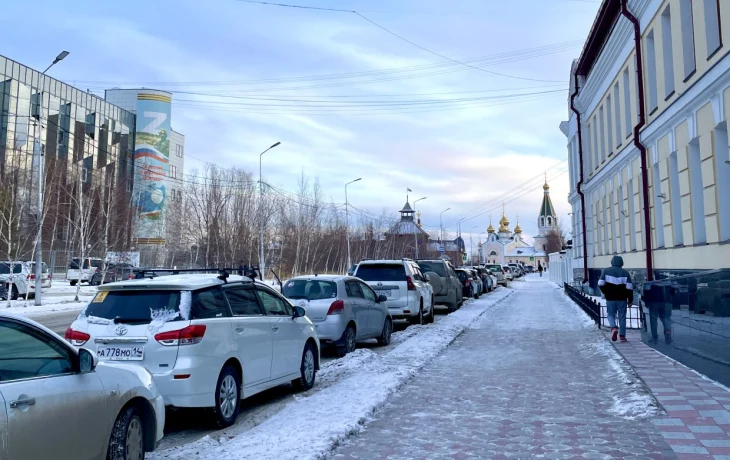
(505, 246)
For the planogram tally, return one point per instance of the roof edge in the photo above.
(608, 14)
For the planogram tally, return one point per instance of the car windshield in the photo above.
(494, 268)
(310, 289)
(381, 272)
(435, 267)
(134, 306)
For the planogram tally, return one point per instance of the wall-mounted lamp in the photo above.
(624, 213)
(599, 222)
(662, 196)
(727, 162)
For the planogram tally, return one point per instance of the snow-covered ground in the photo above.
(347, 392)
(55, 299)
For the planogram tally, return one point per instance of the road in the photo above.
(58, 322)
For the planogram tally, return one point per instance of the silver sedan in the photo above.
(60, 402)
(344, 309)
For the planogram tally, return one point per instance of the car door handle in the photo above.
(22, 402)
(275, 328)
(239, 329)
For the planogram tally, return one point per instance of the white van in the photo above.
(78, 273)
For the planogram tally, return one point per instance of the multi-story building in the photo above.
(658, 70)
(83, 144)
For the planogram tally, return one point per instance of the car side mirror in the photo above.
(382, 298)
(299, 312)
(87, 361)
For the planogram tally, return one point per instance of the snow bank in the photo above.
(316, 421)
(50, 306)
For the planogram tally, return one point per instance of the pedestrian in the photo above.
(241, 269)
(539, 268)
(655, 296)
(615, 284)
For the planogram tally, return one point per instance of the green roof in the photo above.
(546, 209)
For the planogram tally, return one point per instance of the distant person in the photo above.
(539, 268)
(655, 296)
(241, 269)
(615, 284)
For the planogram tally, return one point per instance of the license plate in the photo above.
(121, 353)
(384, 292)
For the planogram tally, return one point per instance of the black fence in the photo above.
(587, 304)
(689, 320)
(599, 313)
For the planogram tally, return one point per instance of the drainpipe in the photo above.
(580, 182)
(637, 141)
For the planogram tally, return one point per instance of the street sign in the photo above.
(463, 258)
(441, 248)
(532, 259)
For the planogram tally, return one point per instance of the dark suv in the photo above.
(446, 285)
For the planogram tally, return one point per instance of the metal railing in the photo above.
(598, 312)
(587, 304)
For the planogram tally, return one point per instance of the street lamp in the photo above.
(415, 227)
(347, 223)
(471, 244)
(441, 222)
(39, 223)
(262, 261)
(481, 260)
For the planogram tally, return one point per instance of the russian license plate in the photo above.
(121, 353)
(384, 292)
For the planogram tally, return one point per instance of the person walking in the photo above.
(539, 268)
(615, 284)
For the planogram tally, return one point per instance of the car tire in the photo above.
(227, 397)
(127, 438)
(307, 370)
(432, 316)
(73, 283)
(419, 319)
(386, 333)
(347, 342)
(14, 294)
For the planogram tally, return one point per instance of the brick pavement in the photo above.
(529, 381)
(697, 423)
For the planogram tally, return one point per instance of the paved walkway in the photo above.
(533, 379)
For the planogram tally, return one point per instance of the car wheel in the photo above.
(72, 283)
(14, 294)
(385, 335)
(308, 370)
(418, 319)
(347, 342)
(227, 397)
(432, 316)
(127, 439)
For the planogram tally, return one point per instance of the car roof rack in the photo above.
(223, 273)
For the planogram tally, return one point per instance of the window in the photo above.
(243, 301)
(627, 101)
(603, 134)
(589, 151)
(274, 305)
(688, 38)
(179, 150)
(609, 122)
(209, 303)
(367, 292)
(310, 289)
(594, 155)
(651, 71)
(667, 52)
(381, 272)
(713, 29)
(617, 112)
(173, 171)
(697, 192)
(29, 353)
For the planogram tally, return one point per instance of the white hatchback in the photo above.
(209, 341)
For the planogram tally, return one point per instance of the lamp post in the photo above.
(471, 244)
(347, 224)
(39, 223)
(481, 259)
(415, 227)
(441, 224)
(262, 261)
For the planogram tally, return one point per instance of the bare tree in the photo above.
(554, 240)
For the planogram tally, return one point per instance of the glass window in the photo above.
(353, 289)
(381, 272)
(310, 289)
(28, 353)
(243, 301)
(274, 305)
(133, 306)
(688, 38)
(209, 303)
(667, 51)
(436, 267)
(712, 26)
(367, 291)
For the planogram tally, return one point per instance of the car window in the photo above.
(135, 307)
(274, 305)
(29, 353)
(435, 267)
(367, 292)
(96, 263)
(4, 269)
(209, 303)
(381, 272)
(462, 275)
(310, 289)
(353, 289)
(243, 301)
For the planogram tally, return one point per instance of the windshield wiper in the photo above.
(118, 320)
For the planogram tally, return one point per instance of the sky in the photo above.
(375, 94)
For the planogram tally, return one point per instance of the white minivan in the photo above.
(209, 341)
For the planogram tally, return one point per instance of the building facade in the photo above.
(84, 147)
(662, 200)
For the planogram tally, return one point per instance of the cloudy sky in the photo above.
(346, 94)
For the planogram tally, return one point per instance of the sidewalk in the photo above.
(533, 379)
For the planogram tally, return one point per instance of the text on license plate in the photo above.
(121, 353)
(384, 292)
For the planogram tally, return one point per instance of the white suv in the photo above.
(22, 280)
(410, 295)
(209, 341)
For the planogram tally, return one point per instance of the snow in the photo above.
(26, 308)
(186, 302)
(346, 394)
(633, 313)
(161, 316)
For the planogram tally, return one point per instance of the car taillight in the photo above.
(468, 282)
(76, 338)
(337, 307)
(131, 277)
(411, 286)
(31, 277)
(187, 336)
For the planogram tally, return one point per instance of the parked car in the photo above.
(499, 272)
(351, 270)
(22, 277)
(476, 282)
(82, 273)
(467, 282)
(530, 268)
(344, 309)
(209, 340)
(445, 283)
(84, 408)
(410, 295)
(517, 270)
(114, 272)
(487, 283)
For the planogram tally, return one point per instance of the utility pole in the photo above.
(262, 262)
(471, 244)
(39, 217)
(347, 224)
(415, 226)
(441, 224)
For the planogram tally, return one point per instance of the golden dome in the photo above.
(518, 229)
(546, 187)
(490, 229)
